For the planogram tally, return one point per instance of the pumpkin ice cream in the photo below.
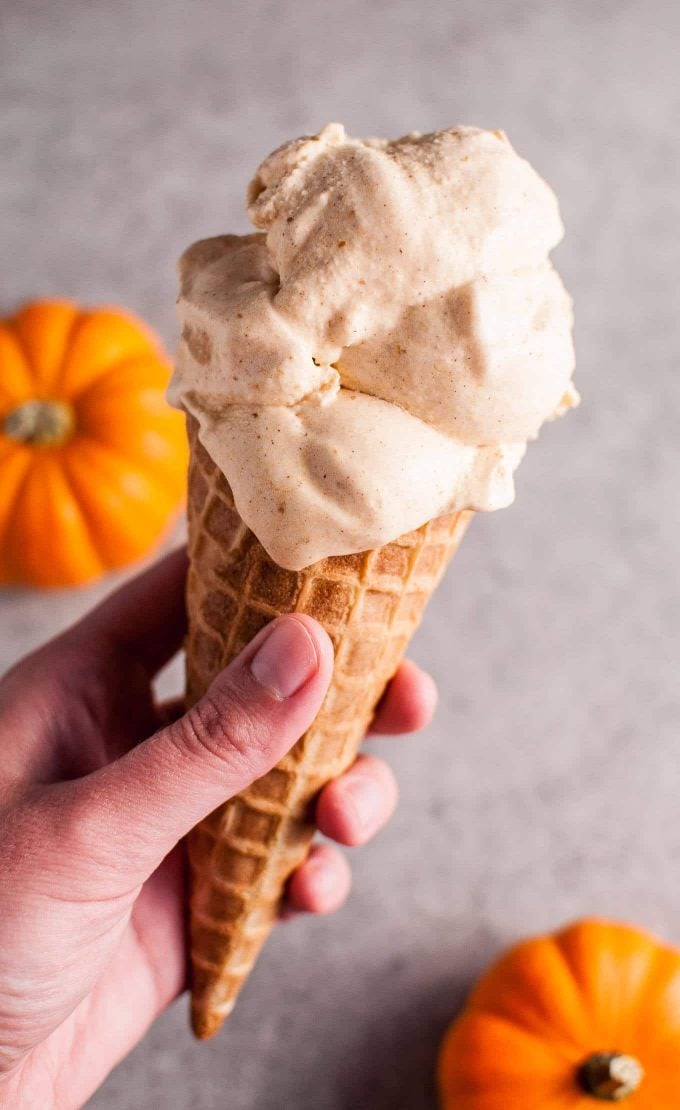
(359, 375)
(384, 350)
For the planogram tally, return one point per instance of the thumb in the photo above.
(251, 715)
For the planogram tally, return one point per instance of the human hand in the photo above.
(98, 784)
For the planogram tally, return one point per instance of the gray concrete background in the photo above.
(549, 785)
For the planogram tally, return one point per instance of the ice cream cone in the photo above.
(380, 351)
(370, 604)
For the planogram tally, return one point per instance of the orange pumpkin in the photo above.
(567, 1022)
(92, 458)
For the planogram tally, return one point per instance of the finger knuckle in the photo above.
(225, 730)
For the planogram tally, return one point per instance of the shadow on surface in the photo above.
(393, 1067)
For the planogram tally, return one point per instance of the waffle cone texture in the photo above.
(370, 604)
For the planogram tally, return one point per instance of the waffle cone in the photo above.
(370, 604)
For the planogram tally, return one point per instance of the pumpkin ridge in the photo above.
(571, 1054)
(657, 982)
(94, 472)
(98, 543)
(51, 307)
(564, 1047)
(11, 499)
(645, 960)
(537, 1021)
(84, 513)
(106, 382)
(10, 395)
(13, 574)
(585, 1015)
(481, 1043)
(61, 547)
(137, 342)
(117, 414)
(165, 473)
(77, 324)
(118, 455)
(59, 479)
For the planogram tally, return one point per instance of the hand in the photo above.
(92, 941)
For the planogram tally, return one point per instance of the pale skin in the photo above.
(98, 784)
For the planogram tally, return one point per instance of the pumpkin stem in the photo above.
(610, 1076)
(40, 423)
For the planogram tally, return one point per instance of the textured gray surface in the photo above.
(548, 786)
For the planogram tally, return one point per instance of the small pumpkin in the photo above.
(569, 1021)
(92, 458)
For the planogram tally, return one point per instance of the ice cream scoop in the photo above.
(383, 350)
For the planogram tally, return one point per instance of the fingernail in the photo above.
(286, 660)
